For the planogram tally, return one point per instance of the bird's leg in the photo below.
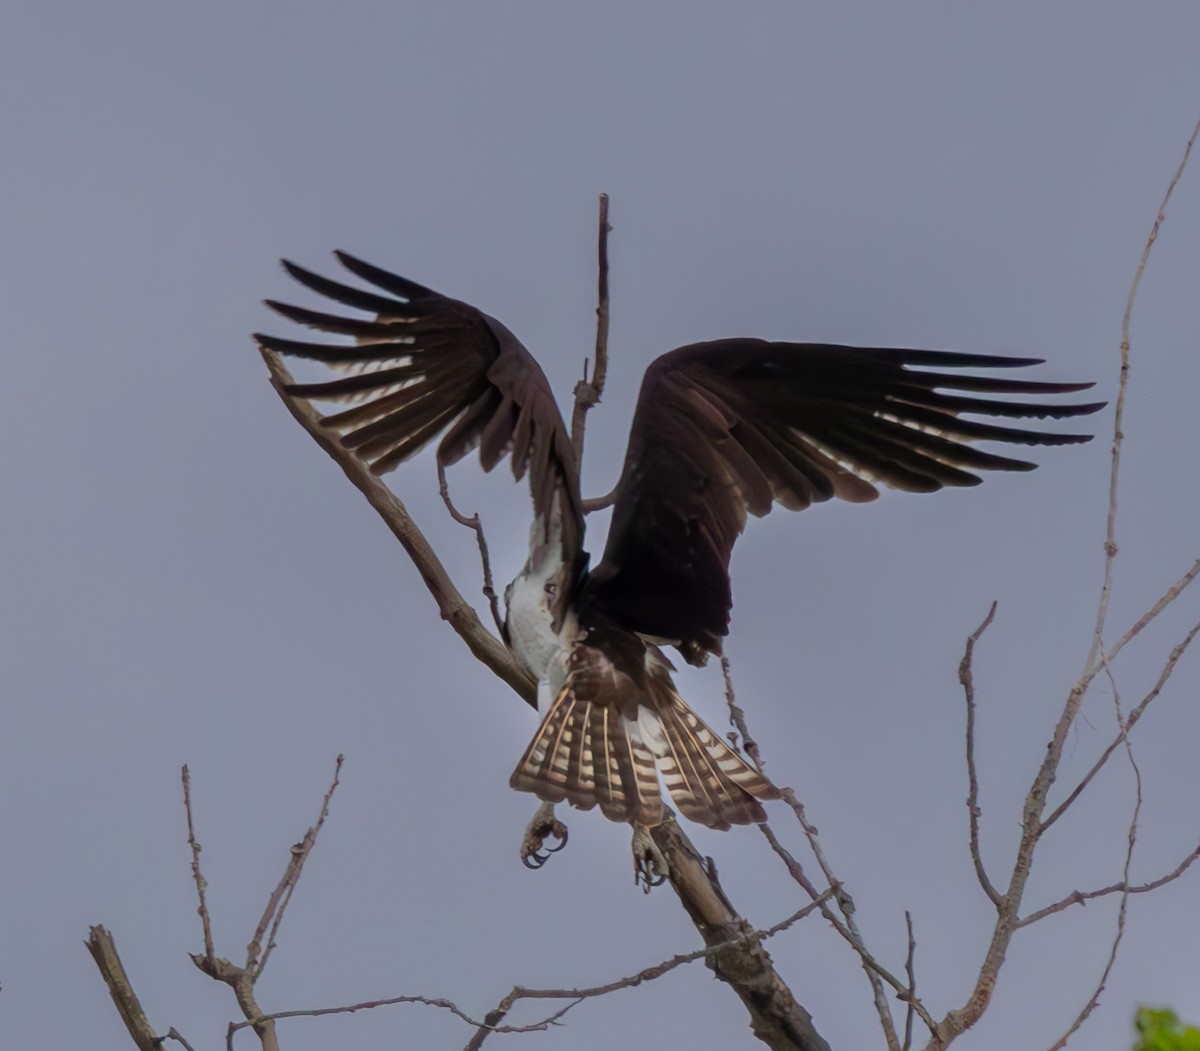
(543, 826)
(650, 868)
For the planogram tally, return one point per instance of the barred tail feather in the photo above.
(589, 754)
(708, 780)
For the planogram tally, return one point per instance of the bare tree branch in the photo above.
(847, 926)
(103, 948)
(197, 875)
(282, 894)
(1134, 715)
(492, 1023)
(174, 1034)
(958, 1021)
(645, 975)
(1110, 537)
(910, 973)
(1082, 897)
(966, 677)
(241, 979)
(454, 608)
(1094, 1000)
(738, 717)
(475, 525)
(588, 393)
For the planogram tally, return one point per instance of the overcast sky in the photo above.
(187, 578)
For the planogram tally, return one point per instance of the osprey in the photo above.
(721, 430)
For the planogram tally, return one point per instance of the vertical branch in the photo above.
(1123, 908)
(197, 875)
(587, 393)
(475, 525)
(1110, 536)
(966, 677)
(1033, 825)
(911, 973)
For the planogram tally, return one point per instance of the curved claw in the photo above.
(534, 852)
(647, 876)
(534, 861)
(650, 868)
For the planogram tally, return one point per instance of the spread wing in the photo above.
(735, 426)
(422, 363)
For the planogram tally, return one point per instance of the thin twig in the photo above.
(870, 963)
(1082, 897)
(197, 875)
(241, 979)
(473, 523)
(910, 971)
(876, 975)
(738, 717)
(848, 926)
(282, 894)
(575, 996)
(1167, 597)
(174, 1034)
(966, 677)
(1110, 540)
(1094, 1000)
(1134, 715)
(588, 392)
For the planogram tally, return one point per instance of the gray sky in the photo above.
(187, 578)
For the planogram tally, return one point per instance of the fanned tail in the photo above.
(708, 780)
(591, 754)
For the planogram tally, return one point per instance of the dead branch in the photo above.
(103, 948)
(1110, 537)
(1033, 827)
(197, 875)
(1082, 897)
(588, 393)
(910, 973)
(455, 609)
(282, 894)
(1134, 715)
(966, 677)
(846, 925)
(738, 717)
(241, 979)
(473, 523)
(493, 1022)
(1131, 839)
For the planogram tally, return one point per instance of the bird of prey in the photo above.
(722, 430)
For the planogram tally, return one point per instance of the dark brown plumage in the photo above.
(721, 430)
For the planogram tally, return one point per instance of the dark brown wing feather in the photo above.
(424, 364)
(735, 426)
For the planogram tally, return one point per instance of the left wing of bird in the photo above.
(422, 363)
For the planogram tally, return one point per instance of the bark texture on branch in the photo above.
(775, 1016)
(103, 948)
